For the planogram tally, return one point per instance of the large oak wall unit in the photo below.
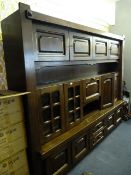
(74, 74)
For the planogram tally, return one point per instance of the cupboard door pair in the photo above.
(105, 48)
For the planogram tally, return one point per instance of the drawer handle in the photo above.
(90, 84)
(98, 125)
(81, 140)
(110, 117)
(59, 155)
(118, 111)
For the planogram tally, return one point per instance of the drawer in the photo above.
(59, 162)
(96, 139)
(110, 122)
(99, 126)
(118, 116)
(91, 89)
(80, 147)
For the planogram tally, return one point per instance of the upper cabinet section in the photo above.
(80, 46)
(51, 43)
(55, 43)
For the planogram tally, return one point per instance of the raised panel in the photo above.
(80, 147)
(118, 116)
(51, 43)
(91, 89)
(100, 48)
(114, 49)
(107, 89)
(80, 46)
(59, 162)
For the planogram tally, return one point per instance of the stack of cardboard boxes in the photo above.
(13, 157)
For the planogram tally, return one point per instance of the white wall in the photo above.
(123, 27)
(93, 13)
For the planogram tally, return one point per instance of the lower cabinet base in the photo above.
(67, 150)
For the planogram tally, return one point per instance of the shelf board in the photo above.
(8, 94)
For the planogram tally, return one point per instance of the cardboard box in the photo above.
(22, 171)
(12, 133)
(10, 119)
(14, 163)
(12, 148)
(11, 105)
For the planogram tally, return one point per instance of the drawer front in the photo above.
(80, 147)
(59, 163)
(96, 139)
(80, 46)
(118, 116)
(99, 126)
(110, 122)
(91, 89)
(100, 48)
(51, 43)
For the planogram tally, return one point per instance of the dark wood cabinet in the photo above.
(74, 76)
(107, 88)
